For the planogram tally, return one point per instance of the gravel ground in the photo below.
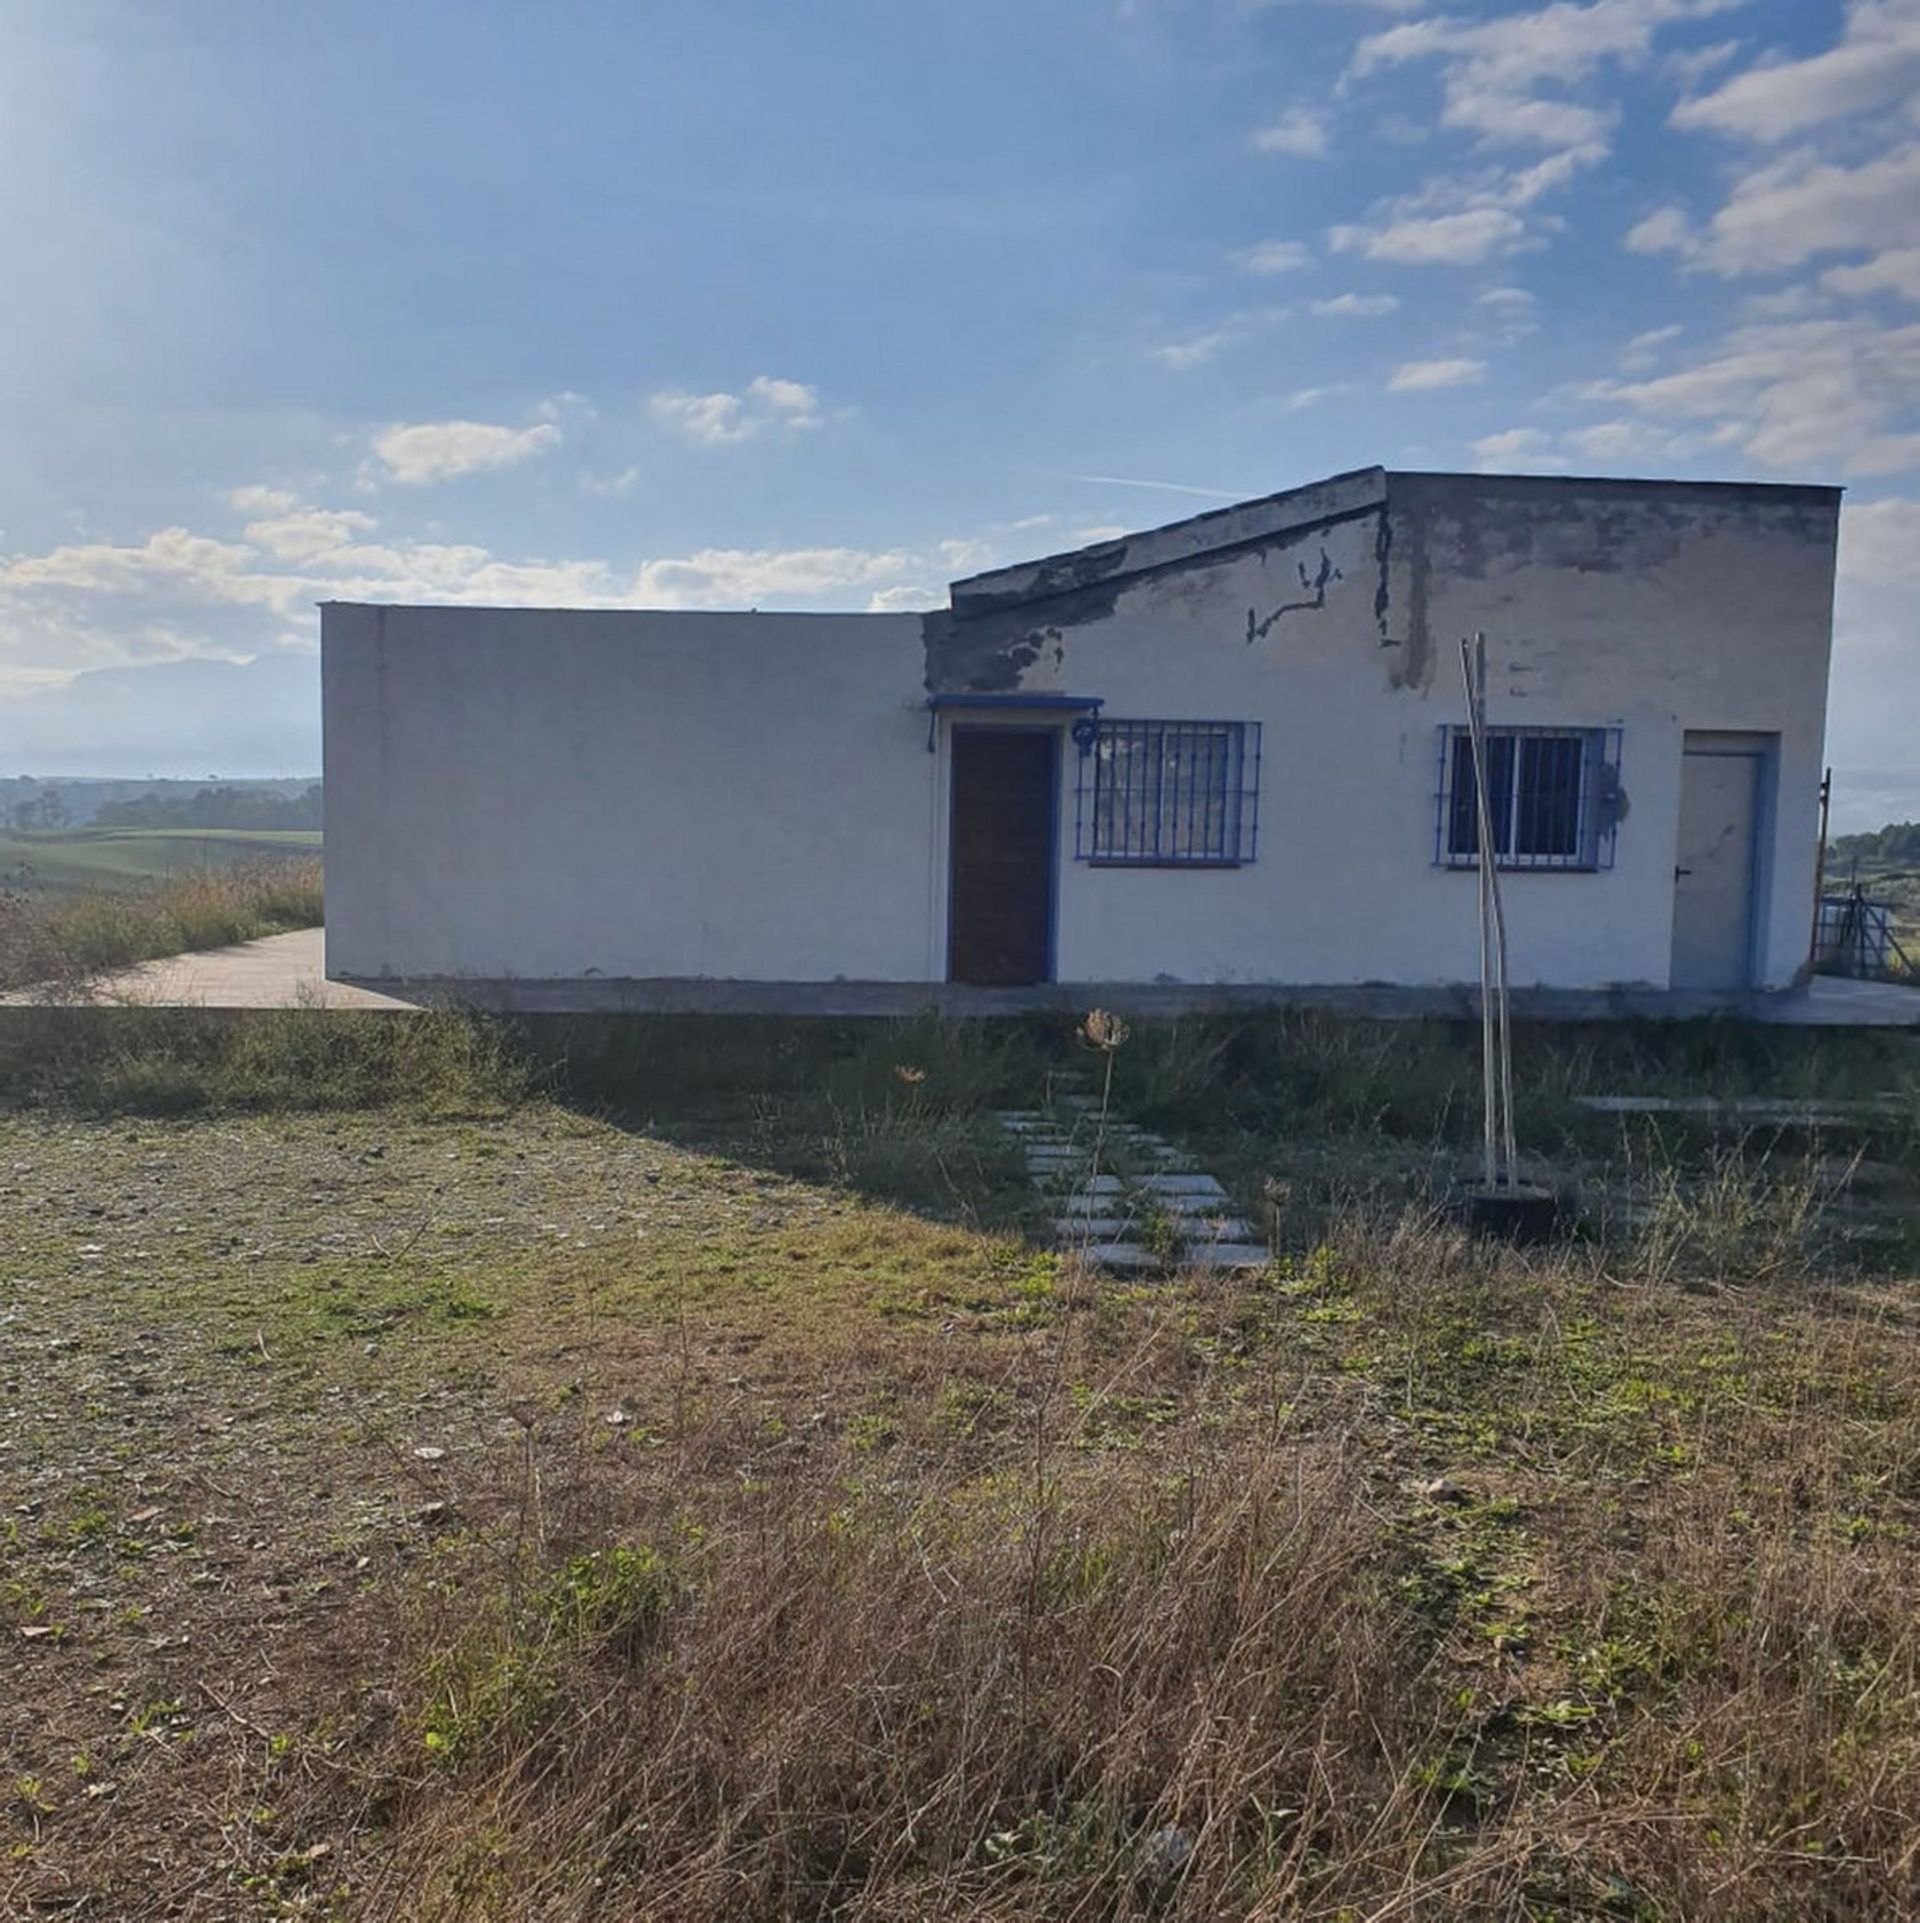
(252, 1369)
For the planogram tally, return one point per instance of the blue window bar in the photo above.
(1167, 794)
(1552, 793)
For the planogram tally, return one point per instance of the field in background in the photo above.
(649, 1467)
(78, 860)
(59, 939)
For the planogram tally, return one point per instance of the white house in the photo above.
(1216, 761)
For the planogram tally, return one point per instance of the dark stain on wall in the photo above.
(1063, 574)
(991, 653)
(1412, 666)
(992, 635)
(1430, 527)
(1383, 559)
(1258, 629)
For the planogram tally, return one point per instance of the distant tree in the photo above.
(47, 809)
(223, 806)
(1895, 845)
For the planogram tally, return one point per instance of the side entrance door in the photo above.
(1002, 837)
(1717, 865)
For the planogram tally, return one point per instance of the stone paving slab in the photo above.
(1168, 1186)
(1105, 1218)
(1227, 1255)
(1120, 1255)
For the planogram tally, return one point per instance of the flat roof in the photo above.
(1339, 497)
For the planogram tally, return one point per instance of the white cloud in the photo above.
(306, 533)
(262, 500)
(1785, 303)
(1274, 257)
(430, 451)
(1419, 376)
(1511, 315)
(1897, 271)
(171, 560)
(1494, 71)
(1808, 205)
(1643, 351)
(1692, 65)
(1880, 544)
(1449, 240)
(1615, 441)
(609, 484)
(969, 556)
(741, 577)
(1461, 220)
(1517, 450)
(1300, 130)
(1876, 682)
(1377, 6)
(1801, 207)
(176, 593)
(916, 599)
(1195, 350)
(1666, 230)
(768, 405)
(1653, 337)
(1311, 396)
(1874, 64)
(1356, 306)
(1819, 395)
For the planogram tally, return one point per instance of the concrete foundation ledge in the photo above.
(1824, 1003)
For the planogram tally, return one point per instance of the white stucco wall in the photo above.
(548, 795)
(1605, 606)
(576, 795)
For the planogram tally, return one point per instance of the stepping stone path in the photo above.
(1147, 1207)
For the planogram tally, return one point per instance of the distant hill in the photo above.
(194, 719)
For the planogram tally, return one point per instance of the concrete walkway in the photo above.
(284, 971)
(278, 971)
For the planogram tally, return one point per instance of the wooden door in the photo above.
(1716, 865)
(1000, 909)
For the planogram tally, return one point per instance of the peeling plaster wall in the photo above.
(566, 794)
(1654, 610)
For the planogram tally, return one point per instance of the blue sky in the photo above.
(712, 305)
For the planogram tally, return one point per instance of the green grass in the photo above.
(575, 1470)
(70, 861)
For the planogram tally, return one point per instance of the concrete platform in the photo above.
(288, 970)
(1826, 1003)
(278, 971)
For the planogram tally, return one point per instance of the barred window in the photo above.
(1551, 793)
(1154, 794)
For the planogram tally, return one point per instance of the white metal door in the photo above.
(1713, 879)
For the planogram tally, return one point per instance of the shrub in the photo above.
(59, 941)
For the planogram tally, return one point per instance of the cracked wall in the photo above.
(1649, 609)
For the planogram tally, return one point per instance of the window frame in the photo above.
(1595, 805)
(1226, 788)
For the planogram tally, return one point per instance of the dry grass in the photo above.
(64, 940)
(504, 1513)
